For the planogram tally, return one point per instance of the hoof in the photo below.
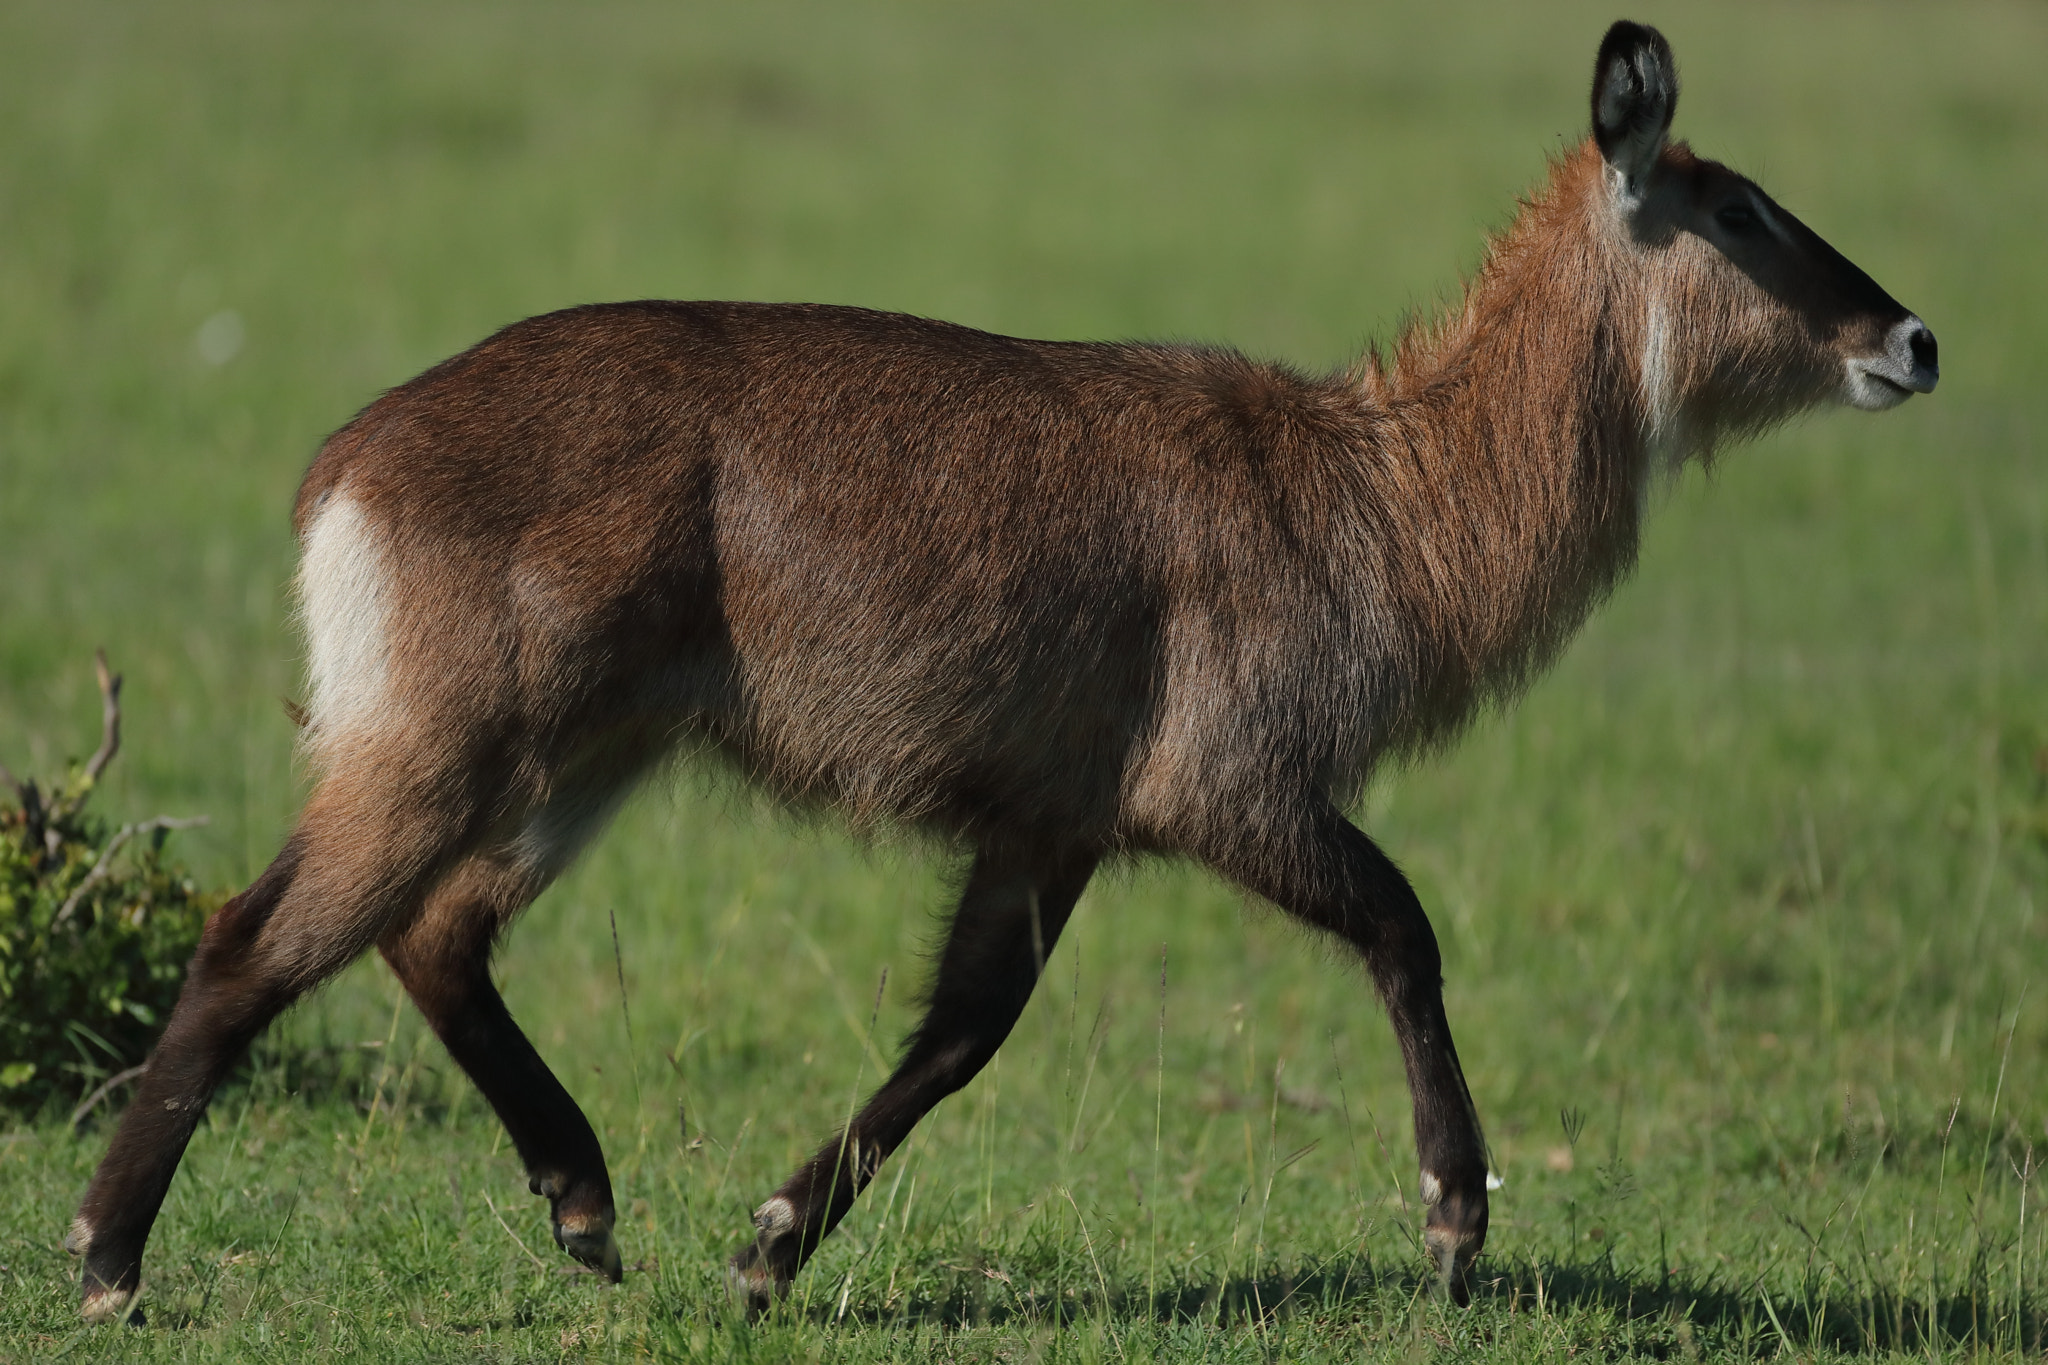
(1453, 1253)
(762, 1274)
(101, 1304)
(102, 1298)
(589, 1239)
(753, 1286)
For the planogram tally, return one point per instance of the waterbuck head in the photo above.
(1747, 316)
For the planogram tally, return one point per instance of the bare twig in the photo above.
(91, 1102)
(110, 721)
(38, 810)
(106, 858)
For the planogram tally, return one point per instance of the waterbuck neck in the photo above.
(1513, 451)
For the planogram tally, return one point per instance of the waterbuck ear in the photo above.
(1635, 91)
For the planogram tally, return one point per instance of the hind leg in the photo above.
(362, 858)
(1010, 915)
(443, 959)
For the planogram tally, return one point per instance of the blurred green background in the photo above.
(1749, 885)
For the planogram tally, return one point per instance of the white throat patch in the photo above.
(1656, 371)
(1665, 438)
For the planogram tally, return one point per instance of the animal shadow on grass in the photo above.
(1689, 1314)
(1659, 1316)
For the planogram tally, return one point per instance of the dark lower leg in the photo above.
(365, 852)
(1448, 1141)
(1338, 880)
(555, 1141)
(219, 1011)
(1010, 915)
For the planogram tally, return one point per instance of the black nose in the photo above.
(1924, 353)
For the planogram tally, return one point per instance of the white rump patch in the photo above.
(343, 589)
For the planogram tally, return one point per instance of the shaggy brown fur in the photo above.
(1056, 602)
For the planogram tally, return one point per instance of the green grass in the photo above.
(1748, 887)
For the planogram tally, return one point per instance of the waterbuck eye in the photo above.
(1738, 218)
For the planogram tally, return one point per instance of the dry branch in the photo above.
(110, 718)
(106, 858)
(110, 736)
(87, 1105)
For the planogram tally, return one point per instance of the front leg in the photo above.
(1330, 875)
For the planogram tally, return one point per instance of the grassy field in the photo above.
(1740, 909)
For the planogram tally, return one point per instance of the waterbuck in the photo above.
(1059, 603)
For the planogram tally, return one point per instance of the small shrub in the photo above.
(96, 926)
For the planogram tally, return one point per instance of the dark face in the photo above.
(1775, 318)
(1747, 315)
